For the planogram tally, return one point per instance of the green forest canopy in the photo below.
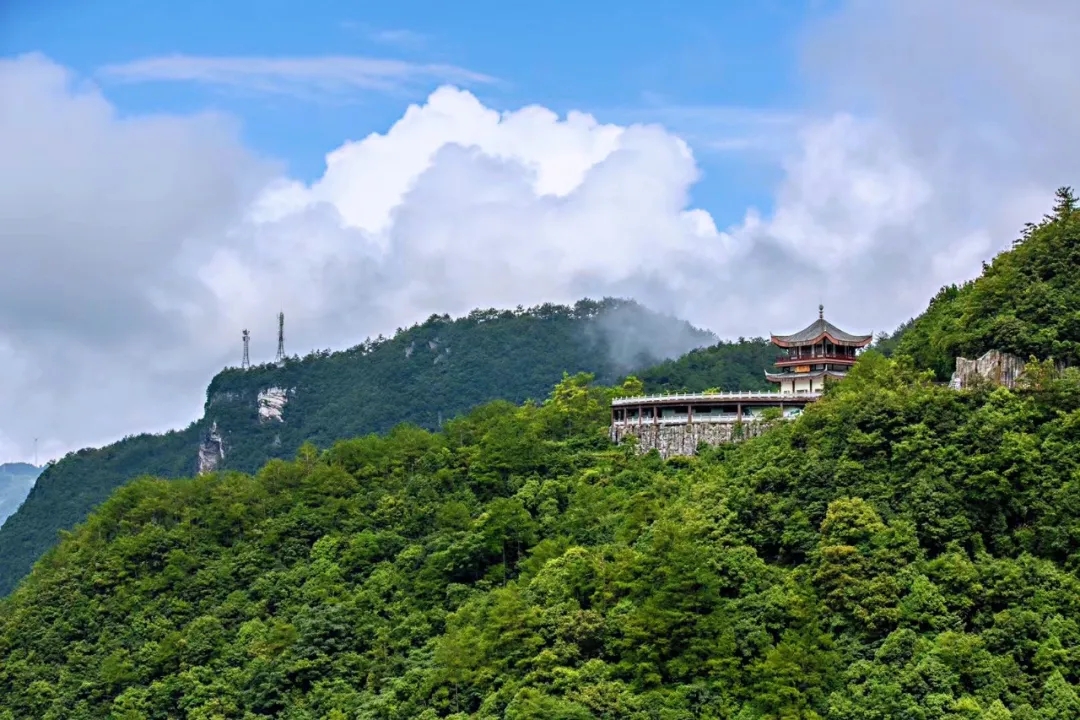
(902, 550)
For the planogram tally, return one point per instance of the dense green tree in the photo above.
(900, 550)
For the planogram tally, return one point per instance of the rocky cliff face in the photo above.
(211, 451)
(997, 367)
(271, 403)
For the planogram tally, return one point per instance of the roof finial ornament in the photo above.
(820, 312)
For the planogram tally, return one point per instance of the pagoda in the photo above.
(819, 351)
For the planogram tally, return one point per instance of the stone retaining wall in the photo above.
(683, 439)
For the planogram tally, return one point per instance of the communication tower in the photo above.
(246, 362)
(281, 337)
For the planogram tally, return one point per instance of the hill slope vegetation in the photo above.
(737, 365)
(426, 374)
(1027, 301)
(901, 550)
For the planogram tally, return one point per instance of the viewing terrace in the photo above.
(722, 407)
(677, 424)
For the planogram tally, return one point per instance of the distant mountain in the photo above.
(424, 375)
(16, 479)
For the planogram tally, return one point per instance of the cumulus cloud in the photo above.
(934, 131)
(971, 104)
(138, 248)
(94, 211)
(457, 206)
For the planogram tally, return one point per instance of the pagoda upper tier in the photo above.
(819, 330)
(818, 351)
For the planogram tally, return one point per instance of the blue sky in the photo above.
(859, 153)
(687, 65)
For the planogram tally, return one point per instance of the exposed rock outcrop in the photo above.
(272, 404)
(998, 367)
(211, 451)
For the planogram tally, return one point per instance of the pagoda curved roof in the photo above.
(819, 330)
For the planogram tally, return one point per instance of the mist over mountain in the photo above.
(16, 479)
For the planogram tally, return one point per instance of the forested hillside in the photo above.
(1027, 301)
(738, 365)
(16, 479)
(427, 373)
(901, 550)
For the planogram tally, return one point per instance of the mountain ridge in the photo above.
(423, 375)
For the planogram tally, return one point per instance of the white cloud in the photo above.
(94, 212)
(136, 250)
(310, 77)
(139, 248)
(765, 134)
(458, 206)
(397, 37)
(401, 38)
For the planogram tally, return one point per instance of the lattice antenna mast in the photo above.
(246, 362)
(281, 337)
